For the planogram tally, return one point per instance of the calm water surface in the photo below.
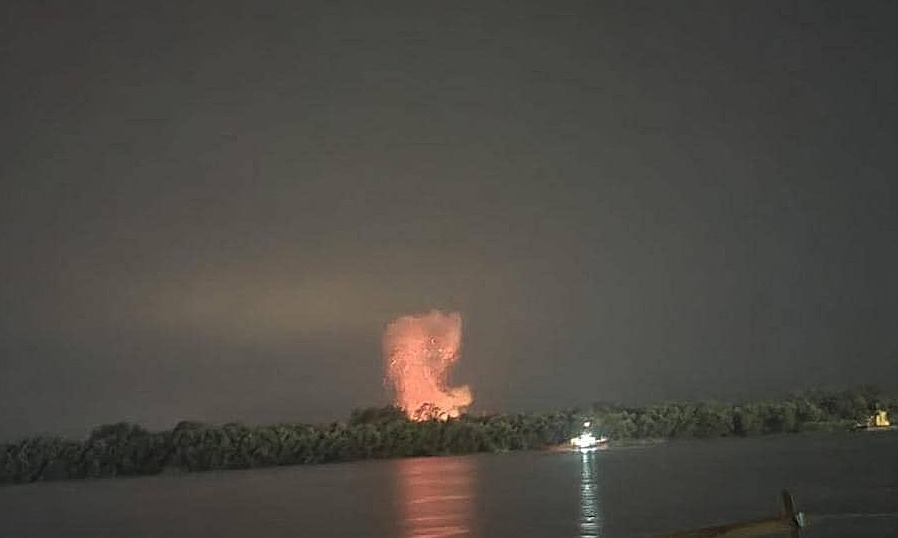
(848, 484)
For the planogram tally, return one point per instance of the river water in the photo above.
(847, 484)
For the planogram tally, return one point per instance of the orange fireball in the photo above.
(418, 351)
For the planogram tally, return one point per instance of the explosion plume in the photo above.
(418, 351)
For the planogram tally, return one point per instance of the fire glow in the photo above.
(418, 351)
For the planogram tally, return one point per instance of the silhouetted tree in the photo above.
(385, 432)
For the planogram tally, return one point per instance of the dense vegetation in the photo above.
(127, 449)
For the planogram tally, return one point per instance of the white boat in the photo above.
(587, 441)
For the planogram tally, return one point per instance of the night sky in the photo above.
(211, 210)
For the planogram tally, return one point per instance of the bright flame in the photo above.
(418, 351)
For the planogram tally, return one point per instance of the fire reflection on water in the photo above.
(590, 513)
(435, 505)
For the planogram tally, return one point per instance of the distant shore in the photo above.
(125, 449)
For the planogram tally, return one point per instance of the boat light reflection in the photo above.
(590, 509)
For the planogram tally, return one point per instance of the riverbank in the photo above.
(125, 449)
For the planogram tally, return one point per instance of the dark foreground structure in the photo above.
(789, 520)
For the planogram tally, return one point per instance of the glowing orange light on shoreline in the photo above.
(418, 351)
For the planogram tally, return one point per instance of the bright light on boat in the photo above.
(584, 440)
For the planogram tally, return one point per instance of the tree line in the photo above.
(126, 449)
